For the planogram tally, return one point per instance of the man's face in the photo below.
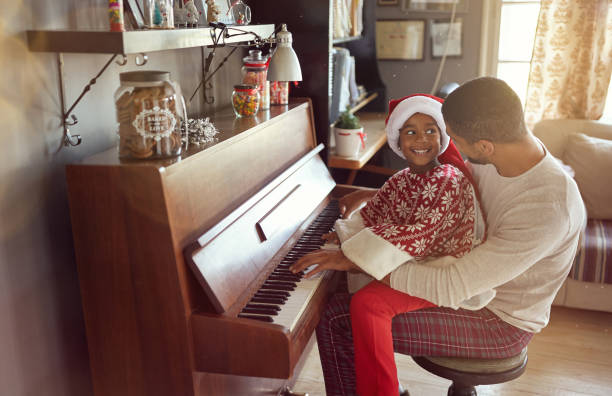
(469, 150)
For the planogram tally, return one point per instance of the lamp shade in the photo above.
(284, 64)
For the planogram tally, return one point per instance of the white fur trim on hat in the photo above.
(406, 109)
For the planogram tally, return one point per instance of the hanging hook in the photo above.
(70, 140)
(73, 122)
(123, 60)
(141, 59)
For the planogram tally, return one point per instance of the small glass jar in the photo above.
(245, 100)
(159, 14)
(150, 109)
(255, 72)
(241, 13)
(279, 92)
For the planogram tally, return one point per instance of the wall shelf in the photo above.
(346, 39)
(124, 43)
(132, 42)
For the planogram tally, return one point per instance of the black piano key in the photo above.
(271, 292)
(263, 318)
(279, 283)
(263, 306)
(279, 288)
(268, 300)
(260, 311)
(286, 278)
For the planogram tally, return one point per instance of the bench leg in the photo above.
(457, 389)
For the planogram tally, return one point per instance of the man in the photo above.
(534, 218)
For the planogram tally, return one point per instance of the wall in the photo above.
(405, 77)
(43, 347)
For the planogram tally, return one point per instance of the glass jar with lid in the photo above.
(255, 72)
(150, 109)
(245, 100)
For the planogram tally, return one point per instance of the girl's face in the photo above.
(419, 140)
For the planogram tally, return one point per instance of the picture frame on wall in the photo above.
(400, 39)
(443, 40)
(441, 6)
(387, 2)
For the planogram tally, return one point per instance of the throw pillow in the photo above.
(591, 160)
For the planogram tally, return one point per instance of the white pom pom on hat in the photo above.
(402, 109)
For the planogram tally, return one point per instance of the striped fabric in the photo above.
(593, 262)
(427, 332)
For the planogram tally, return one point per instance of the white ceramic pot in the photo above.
(349, 141)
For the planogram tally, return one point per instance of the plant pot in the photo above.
(349, 141)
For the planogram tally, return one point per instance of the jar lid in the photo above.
(144, 76)
(255, 59)
(243, 87)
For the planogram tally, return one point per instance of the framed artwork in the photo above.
(446, 38)
(442, 6)
(387, 2)
(400, 39)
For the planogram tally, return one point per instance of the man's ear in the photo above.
(485, 147)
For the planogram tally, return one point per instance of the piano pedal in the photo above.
(289, 392)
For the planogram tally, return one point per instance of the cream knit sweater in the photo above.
(534, 222)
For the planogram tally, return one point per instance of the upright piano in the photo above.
(183, 262)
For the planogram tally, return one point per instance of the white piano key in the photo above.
(297, 302)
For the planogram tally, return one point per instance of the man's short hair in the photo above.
(485, 108)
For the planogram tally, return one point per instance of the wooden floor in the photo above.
(571, 356)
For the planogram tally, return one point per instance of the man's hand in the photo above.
(323, 260)
(351, 202)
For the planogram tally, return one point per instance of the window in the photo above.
(507, 48)
(518, 22)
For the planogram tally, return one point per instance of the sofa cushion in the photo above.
(591, 160)
(593, 262)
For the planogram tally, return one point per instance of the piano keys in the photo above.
(171, 253)
(284, 295)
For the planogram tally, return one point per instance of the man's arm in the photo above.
(527, 234)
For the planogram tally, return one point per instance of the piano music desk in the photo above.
(374, 127)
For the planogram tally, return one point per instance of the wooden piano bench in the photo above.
(468, 373)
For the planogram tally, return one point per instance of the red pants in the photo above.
(372, 309)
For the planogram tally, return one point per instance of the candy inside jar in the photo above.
(245, 100)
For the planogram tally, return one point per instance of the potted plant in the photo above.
(349, 134)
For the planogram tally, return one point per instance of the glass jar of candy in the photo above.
(255, 72)
(246, 100)
(279, 92)
(150, 109)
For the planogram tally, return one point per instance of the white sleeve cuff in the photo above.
(373, 254)
(346, 228)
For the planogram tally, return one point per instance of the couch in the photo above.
(586, 147)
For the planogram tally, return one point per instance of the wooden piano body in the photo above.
(152, 328)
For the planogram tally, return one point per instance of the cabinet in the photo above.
(310, 22)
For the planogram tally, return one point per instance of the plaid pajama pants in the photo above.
(434, 331)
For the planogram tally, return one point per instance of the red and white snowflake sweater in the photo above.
(412, 217)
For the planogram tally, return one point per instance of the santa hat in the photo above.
(402, 109)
